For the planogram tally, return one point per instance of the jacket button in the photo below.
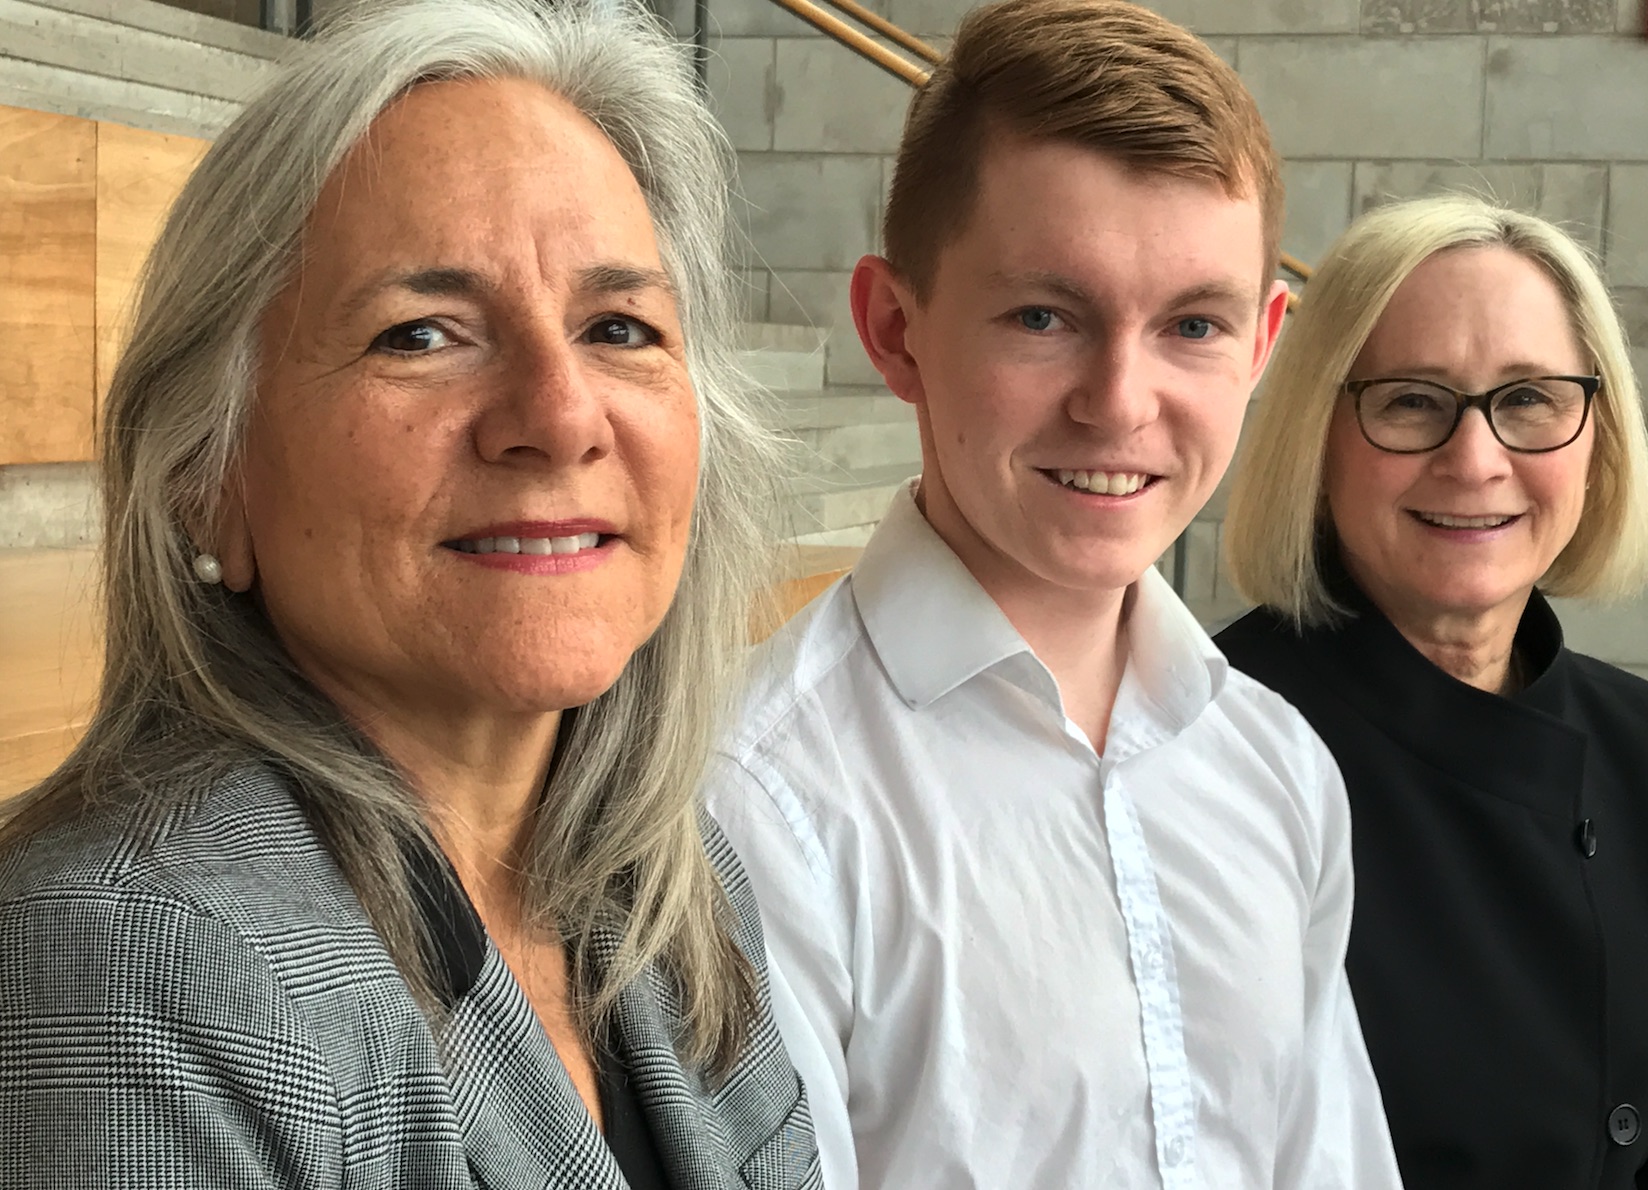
(1624, 1124)
(1585, 839)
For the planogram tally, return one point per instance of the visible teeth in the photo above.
(530, 545)
(1464, 522)
(1103, 483)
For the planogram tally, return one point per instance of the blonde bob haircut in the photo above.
(1278, 515)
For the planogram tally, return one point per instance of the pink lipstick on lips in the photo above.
(537, 547)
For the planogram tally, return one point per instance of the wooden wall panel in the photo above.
(139, 175)
(806, 572)
(48, 247)
(51, 658)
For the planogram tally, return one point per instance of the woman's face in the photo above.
(469, 475)
(1472, 319)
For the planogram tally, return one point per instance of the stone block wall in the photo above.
(135, 62)
(1542, 103)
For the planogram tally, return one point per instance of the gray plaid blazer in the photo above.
(215, 1012)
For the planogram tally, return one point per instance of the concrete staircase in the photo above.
(854, 445)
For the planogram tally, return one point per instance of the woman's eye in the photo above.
(1527, 397)
(1417, 402)
(621, 332)
(1036, 318)
(1195, 328)
(411, 338)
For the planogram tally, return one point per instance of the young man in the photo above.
(1054, 898)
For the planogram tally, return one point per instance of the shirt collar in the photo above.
(934, 628)
(1519, 746)
(1177, 665)
(931, 624)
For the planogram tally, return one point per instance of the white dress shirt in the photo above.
(1002, 960)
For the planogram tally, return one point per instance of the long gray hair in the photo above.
(195, 681)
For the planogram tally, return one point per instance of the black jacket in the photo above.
(1499, 948)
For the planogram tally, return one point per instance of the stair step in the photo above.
(806, 409)
(869, 444)
(841, 499)
(854, 537)
(782, 371)
(780, 336)
(781, 357)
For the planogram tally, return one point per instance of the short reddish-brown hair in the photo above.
(1104, 74)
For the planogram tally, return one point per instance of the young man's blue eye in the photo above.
(1037, 318)
(1195, 328)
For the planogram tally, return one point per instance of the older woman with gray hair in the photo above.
(1450, 430)
(434, 516)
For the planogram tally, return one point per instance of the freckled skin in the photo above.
(361, 461)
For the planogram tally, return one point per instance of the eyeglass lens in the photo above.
(1411, 415)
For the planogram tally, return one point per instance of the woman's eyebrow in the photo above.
(623, 278)
(459, 282)
(431, 282)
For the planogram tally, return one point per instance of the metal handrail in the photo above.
(866, 48)
(887, 29)
(1297, 267)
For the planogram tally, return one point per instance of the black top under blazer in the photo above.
(1499, 947)
(215, 1012)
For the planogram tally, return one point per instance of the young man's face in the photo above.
(1081, 365)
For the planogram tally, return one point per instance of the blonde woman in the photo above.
(1449, 432)
(433, 510)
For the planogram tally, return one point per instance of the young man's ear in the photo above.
(882, 304)
(1271, 317)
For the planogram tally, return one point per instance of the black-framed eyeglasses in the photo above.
(1531, 416)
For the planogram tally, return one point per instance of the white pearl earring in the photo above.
(208, 569)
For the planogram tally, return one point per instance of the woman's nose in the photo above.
(1473, 454)
(548, 404)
